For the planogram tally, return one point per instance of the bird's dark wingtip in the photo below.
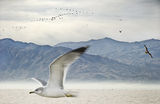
(81, 49)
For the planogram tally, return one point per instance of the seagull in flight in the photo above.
(58, 68)
(147, 52)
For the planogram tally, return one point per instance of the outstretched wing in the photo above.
(150, 55)
(146, 48)
(40, 82)
(57, 67)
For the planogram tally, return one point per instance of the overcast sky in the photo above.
(137, 19)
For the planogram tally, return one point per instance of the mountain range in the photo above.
(106, 59)
(131, 53)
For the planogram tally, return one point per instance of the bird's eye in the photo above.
(36, 90)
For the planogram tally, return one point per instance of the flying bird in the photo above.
(54, 87)
(53, 18)
(147, 52)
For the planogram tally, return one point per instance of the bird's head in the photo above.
(37, 91)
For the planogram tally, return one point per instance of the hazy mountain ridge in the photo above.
(20, 61)
(124, 52)
(27, 59)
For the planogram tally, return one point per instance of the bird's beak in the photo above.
(31, 92)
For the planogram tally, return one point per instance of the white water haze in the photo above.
(82, 85)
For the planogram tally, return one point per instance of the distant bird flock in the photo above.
(62, 12)
(66, 12)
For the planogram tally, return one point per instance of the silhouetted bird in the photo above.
(147, 52)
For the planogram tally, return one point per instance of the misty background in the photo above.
(115, 30)
(138, 20)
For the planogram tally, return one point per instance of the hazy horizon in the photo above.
(79, 41)
(84, 85)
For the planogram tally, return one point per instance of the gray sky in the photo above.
(137, 19)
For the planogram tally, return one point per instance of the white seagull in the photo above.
(58, 68)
